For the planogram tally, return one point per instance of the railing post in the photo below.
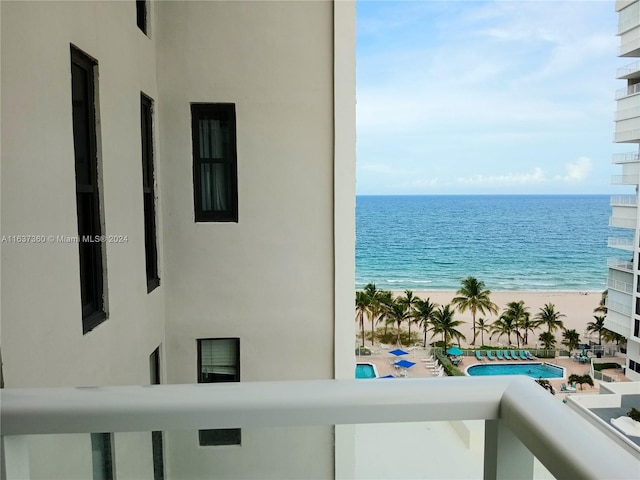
(505, 456)
(14, 459)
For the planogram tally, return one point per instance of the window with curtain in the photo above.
(214, 162)
(219, 361)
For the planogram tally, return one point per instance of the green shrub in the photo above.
(449, 367)
(604, 366)
(634, 414)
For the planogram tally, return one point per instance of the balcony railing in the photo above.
(620, 286)
(628, 90)
(522, 420)
(628, 69)
(620, 264)
(621, 243)
(619, 307)
(623, 200)
(625, 179)
(622, 222)
(630, 157)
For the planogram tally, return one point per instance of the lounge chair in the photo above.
(479, 355)
(507, 354)
(499, 355)
(490, 355)
(529, 356)
(523, 356)
(564, 388)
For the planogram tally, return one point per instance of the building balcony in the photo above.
(523, 423)
(627, 91)
(619, 158)
(619, 264)
(618, 322)
(622, 222)
(630, 48)
(625, 179)
(631, 70)
(623, 201)
(620, 286)
(621, 243)
(622, 308)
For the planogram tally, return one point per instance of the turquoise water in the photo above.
(533, 370)
(511, 242)
(365, 370)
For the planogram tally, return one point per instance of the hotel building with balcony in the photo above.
(178, 226)
(623, 299)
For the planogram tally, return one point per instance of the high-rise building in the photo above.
(623, 295)
(178, 204)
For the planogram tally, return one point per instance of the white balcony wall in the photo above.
(628, 18)
(621, 281)
(618, 322)
(627, 130)
(631, 169)
(620, 4)
(624, 212)
(630, 42)
(628, 106)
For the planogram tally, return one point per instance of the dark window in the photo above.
(219, 361)
(150, 245)
(141, 15)
(87, 196)
(636, 328)
(157, 442)
(215, 178)
(102, 456)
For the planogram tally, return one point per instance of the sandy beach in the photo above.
(576, 306)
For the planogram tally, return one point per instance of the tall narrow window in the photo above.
(141, 15)
(219, 361)
(102, 456)
(215, 178)
(150, 245)
(157, 441)
(87, 195)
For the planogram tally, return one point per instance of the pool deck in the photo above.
(384, 364)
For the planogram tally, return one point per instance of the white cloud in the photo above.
(577, 170)
(536, 176)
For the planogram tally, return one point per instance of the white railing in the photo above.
(619, 307)
(626, 114)
(628, 90)
(621, 243)
(630, 157)
(627, 136)
(628, 69)
(521, 419)
(624, 200)
(625, 179)
(620, 264)
(620, 286)
(622, 222)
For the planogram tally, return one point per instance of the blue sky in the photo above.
(472, 97)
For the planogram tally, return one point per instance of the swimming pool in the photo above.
(533, 370)
(366, 370)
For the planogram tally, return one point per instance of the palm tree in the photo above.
(610, 336)
(376, 306)
(444, 323)
(410, 300)
(473, 296)
(362, 309)
(385, 299)
(398, 313)
(519, 315)
(549, 317)
(483, 326)
(597, 327)
(504, 325)
(602, 306)
(424, 316)
(580, 379)
(571, 339)
(548, 340)
(527, 325)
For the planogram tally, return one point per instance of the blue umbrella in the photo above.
(387, 376)
(454, 351)
(397, 352)
(404, 364)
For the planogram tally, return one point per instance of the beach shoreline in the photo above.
(577, 306)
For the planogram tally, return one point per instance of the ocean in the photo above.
(511, 242)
